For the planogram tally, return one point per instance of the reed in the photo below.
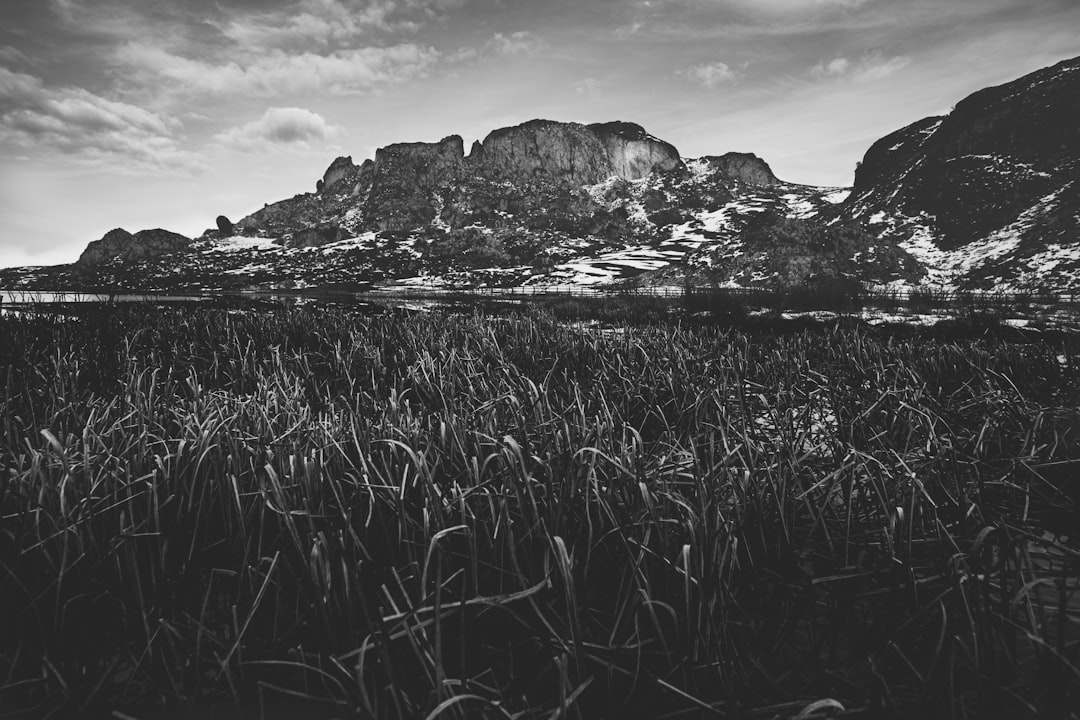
(312, 512)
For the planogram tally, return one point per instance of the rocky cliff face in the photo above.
(986, 189)
(567, 154)
(534, 172)
(745, 168)
(633, 153)
(121, 245)
(341, 169)
(404, 178)
(571, 154)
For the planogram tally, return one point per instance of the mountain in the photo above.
(985, 197)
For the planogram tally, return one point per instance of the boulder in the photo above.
(224, 226)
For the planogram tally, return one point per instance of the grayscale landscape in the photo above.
(658, 359)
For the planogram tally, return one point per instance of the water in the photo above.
(27, 297)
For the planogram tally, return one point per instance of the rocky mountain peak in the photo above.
(572, 154)
(341, 169)
(544, 150)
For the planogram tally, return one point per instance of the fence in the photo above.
(918, 297)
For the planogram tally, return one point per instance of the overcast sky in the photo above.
(166, 113)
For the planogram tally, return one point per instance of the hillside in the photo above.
(987, 196)
(983, 198)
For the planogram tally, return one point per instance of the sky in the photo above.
(166, 113)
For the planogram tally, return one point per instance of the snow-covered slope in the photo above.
(986, 197)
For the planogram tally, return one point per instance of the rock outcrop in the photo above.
(341, 169)
(364, 177)
(634, 153)
(745, 168)
(567, 154)
(121, 245)
(536, 169)
(404, 178)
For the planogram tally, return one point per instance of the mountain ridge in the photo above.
(983, 197)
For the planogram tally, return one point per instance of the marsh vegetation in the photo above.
(320, 512)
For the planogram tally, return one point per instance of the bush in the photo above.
(831, 294)
(718, 304)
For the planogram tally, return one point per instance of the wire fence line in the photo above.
(922, 296)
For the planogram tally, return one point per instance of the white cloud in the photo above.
(279, 126)
(833, 68)
(868, 68)
(789, 6)
(331, 22)
(878, 68)
(277, 73)
(312, 21)
(710, 74)
(76, 122)
(517, 43)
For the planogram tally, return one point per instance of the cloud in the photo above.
(321, 22)
(327, 23)
(13, 57)
(869, 68)
(833, 68)
(710, 74)
(699, 19)
(276, 72)
(290, 126)
(76, 122)
(787, 7)
(517, 43)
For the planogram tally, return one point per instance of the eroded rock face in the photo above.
(364, 176)
(538, 168)
(342, 168)
(119, 244)
(566, 154)
(419, 165)
(634, 153)
(746, 168)
(404, 178)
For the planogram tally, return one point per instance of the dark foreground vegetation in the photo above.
(313, 513)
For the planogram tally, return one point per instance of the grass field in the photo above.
(313, 512)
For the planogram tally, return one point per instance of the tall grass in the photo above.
(313, 513)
